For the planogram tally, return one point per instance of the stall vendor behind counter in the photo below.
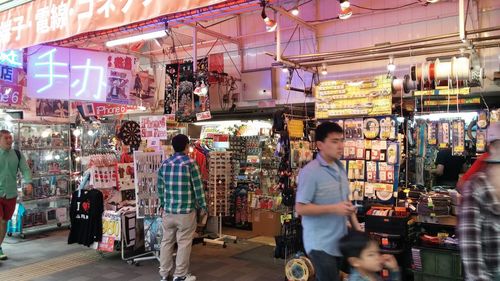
(448, 168)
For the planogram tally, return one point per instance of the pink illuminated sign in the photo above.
(62, 73)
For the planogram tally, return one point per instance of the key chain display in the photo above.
(146, 166)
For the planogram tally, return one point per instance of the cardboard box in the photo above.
(266, 223)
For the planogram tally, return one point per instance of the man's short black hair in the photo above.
(326, 128)
(354, 243)
(180, 142)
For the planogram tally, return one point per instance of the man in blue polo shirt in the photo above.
(323, 202)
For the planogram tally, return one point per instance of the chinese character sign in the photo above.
(88, 75)
(13, 58)
(48, 72)
(62, 73)
(43, 21)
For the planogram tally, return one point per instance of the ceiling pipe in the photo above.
(397, 49)
(405, 54)
(401, 43)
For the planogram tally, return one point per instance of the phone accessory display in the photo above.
(388, 128)
(353, 128)
(371, 128)
(357, 190)
(482, 120)
(393, 153)
(458, 133)
(356, 170)
(146, 166)
(480, 141)
(385, 172)
(432, 133)
(444, 134)
(126, 176)
(371, 171)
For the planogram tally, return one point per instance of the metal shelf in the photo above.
(48, 199)
(46, 148)
(35, 177)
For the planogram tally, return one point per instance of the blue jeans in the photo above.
(327, 267)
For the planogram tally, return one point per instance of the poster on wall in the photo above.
(153, 127)
(144, 89)
(186, 92)
(52, 108)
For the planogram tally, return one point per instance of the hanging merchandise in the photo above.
(153, 233)
(146, 182)
(371, 128)
(480, 141)
(444, 134)
(86, 211)
(432, 133)
(130, 134)
(495, 116)
(458, 134)
(126, 176)
(103, 171)
(357, 190)
(388, 128)
(296, 128)
(482, 120)
(353, 128)
(393, 153)
(186, 92)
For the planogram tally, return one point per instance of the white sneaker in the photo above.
(188, 277)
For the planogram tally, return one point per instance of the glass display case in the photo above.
(46, 147)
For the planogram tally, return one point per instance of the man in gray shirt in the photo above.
(323, 202)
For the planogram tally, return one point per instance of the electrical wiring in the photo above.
(387, 9)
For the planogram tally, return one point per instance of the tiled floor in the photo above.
(49, 258)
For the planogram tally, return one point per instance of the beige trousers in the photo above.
(178, 229)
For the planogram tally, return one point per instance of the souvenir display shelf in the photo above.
(46, 147)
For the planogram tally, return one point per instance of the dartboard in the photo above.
(130, 134)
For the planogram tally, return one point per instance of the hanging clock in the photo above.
(130, 134)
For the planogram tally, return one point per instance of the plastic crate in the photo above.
(419, 276)
(444, 264)
(389, 225)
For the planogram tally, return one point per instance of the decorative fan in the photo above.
(130, 134)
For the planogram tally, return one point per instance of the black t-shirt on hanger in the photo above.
(85, 214)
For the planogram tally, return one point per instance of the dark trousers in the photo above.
(327, 267)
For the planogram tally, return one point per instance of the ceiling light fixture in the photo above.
(285, 70)
(295, 10)
(137, 38)
(344, 4)
(271, 25)
(432, 1)
(345, 14)
(324, 71)
(391, 66)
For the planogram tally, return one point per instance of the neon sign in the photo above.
(50, 74)
(62, 73)
(12, 58)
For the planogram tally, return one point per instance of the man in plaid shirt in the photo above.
(181, 192)
(479, 221)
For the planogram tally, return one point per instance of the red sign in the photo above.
(102, 109)
(11, 94)
(221, 138)
(44, 21)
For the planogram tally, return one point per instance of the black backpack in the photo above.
(18, 153)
